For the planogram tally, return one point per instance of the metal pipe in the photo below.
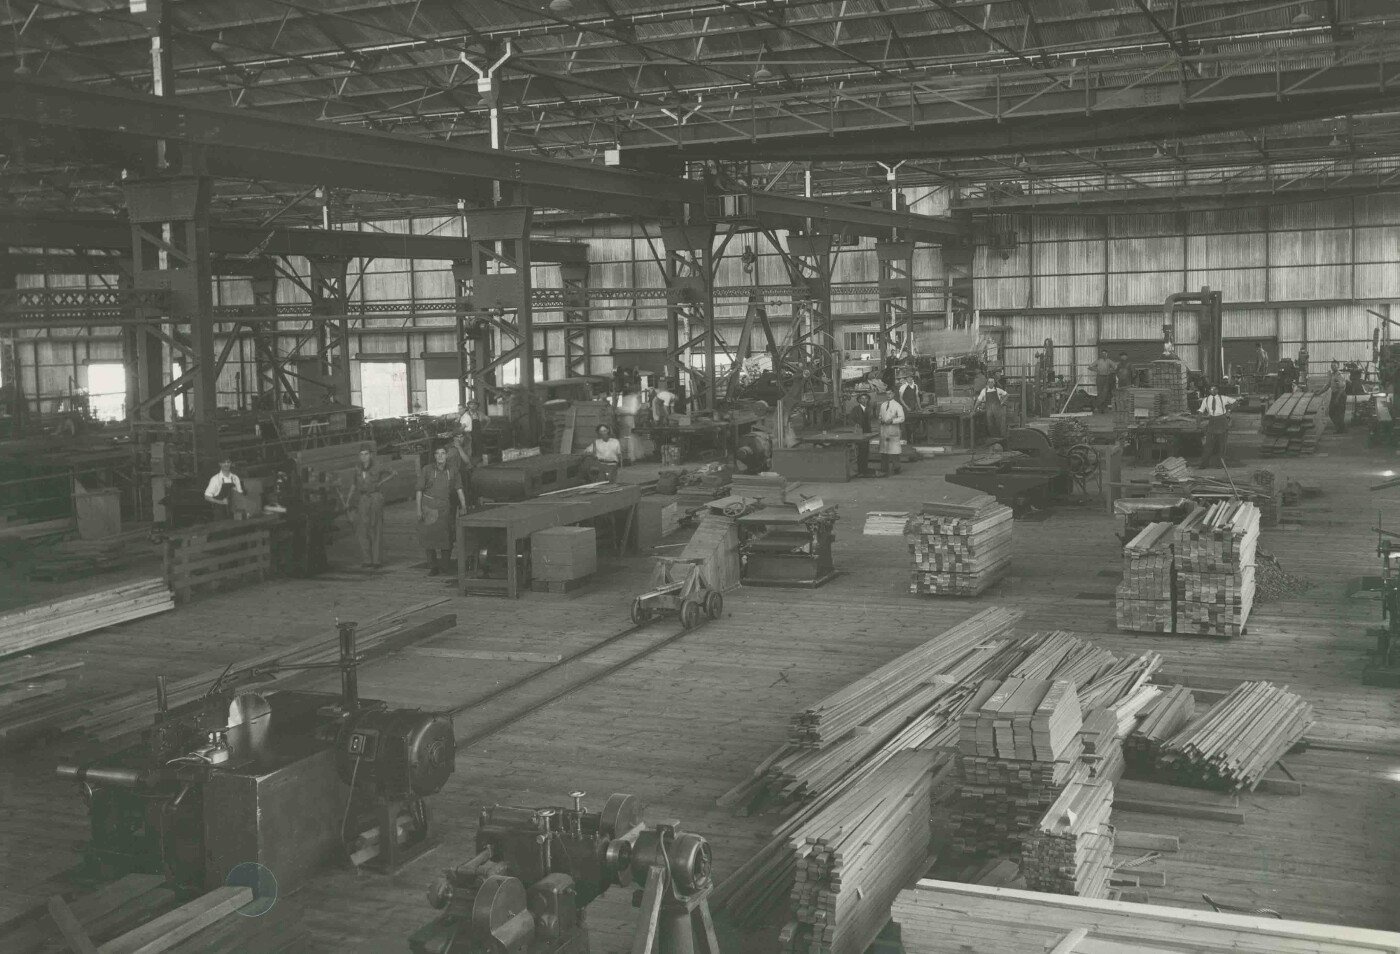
(162, 698)
(125, 777)
(349, 673)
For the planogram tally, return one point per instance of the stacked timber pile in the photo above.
(886, 523)
(1018, 745)
(856, 854)
(1100, 735)
(1162, 719)
(1143, 601)
(1294, 423)
(959, 549)
(1132, 405)
(917, 703)
(769, 488)
(941, 917)
(1169, 376)
(1215, 551)
(63, 619)
(1173, 470)
(1233, 744)
(1268, 495)
(1070, 851)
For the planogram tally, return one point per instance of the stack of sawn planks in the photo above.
(1169, 376)
(1161, 719)
(941, 917)
(1138, 404)
(885, 523)
(959, 549)
(1215, 549)
(1070, 851)
(1234, 743)
(1294, 423)
(45, 623)
(855, 855)
(1143, 601)
(1173, 470)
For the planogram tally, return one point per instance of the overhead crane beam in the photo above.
(34, 230)
(242, 143)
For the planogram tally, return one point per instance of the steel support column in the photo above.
(170, 250)
(896, 260)
(499, 301)
(474, 377)
(809, 261)
(578, 349)
(690, 300)
(273, 390)
(330, 291)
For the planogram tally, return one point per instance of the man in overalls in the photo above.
(992, 400)
(438, 485)
(366, 502)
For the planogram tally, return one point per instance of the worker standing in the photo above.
(466, 423)
(459, 461)
(909, 399)
(606, 452)
(891, 446)
(222, 486)
(1261, 360)
(863, 419)
(992, 401)
(1125, 372)
(1103, 369)
(437, 485)
(366, 502)
(1337, 402)
(1287, 375)
(1215, 441)
(661, 404)
(1046, 362)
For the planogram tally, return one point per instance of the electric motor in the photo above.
(398, 751)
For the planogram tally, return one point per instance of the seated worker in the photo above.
(222, 487)
(606, 452)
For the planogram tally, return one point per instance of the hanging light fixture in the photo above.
(219, 46)
(1336, 140)
(561, 6)
(1303, 17)
(762, 72)
(23, 68)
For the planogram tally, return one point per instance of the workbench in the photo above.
(781, 547)
(504, 532)
(951, 428)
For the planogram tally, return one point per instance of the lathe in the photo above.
(1029, 471)
(537, 869)
(290, 780)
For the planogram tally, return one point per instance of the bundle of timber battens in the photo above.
(1170, 377)
(62, 619)
(1143, 601)
(1070, 851)
(1234, 743)
(1173, 470)
(855, 855)
(886, 523)
(942, 917)
(1137, 404)
(1294, 423)
(959, 549)
(1215, 551)
(1161, 719)
(1018, 745)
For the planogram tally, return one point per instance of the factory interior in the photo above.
(699, 476)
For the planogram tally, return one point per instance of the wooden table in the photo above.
(504, 528)
(932, 426)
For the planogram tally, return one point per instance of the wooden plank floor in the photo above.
(689, 721)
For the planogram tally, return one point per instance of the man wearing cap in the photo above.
(438, 485)
(366, 505)
(222, 486)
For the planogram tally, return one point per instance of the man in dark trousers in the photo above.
(1215, 441)
(438, 485)
(863, 419)
(1103, 369)
(366, 506)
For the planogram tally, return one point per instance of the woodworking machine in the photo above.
(290, 780)
(1029, 471)
(537, 869)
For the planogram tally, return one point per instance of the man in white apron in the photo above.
(891, 417)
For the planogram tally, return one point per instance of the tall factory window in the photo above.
(441, 396)
(384, 388)
(106, 387)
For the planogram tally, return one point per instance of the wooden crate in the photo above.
(217, 556)
(828, 464)
(560, 554)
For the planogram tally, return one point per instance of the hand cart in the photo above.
(678, 586)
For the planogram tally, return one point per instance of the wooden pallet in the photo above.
(216, 556)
